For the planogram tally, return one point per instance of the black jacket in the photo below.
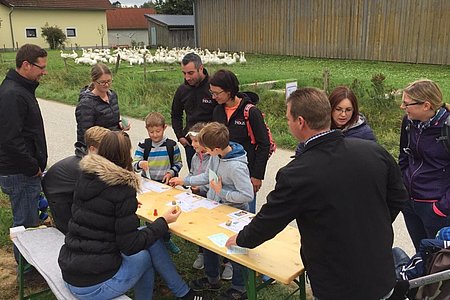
(23, 149)
(344, 195)
(258, 154)
(104, 223)
(93, 111)
(196, 102)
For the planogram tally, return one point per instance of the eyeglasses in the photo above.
(412, 103)
(104, 82)
(213, 94)
(36, 65)
(344, 110)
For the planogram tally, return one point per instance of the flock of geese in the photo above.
(137, 56)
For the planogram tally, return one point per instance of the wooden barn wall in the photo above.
(182, 38)
(415, 31)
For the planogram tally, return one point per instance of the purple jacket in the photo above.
(425, 164)
(360, 130)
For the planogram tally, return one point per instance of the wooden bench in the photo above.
(40, 247)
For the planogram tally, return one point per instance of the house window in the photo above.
(31, 32)
(71, 32)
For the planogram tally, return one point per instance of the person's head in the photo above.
(101, 77)
(308, 112)
(116, 147)
(215, 137)
(192, 68)
(155, 124)
(344, 107)
(93, 137)
(31, 62)
(193, 135)
(421, 99)
(224, 86)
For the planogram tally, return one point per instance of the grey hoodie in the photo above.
(237, 189)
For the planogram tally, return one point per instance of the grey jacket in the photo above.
(237, 189)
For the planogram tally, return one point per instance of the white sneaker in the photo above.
(227, 273)
(199, 262)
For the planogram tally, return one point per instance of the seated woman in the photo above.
(345, 114)
(105, 253)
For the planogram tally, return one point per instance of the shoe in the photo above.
(203, 284)
(227, 273)
(172, 247)
(191, 295)
(199, 262)
(232, 294)
(266, 278)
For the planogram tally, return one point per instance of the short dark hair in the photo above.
(116, 147)
(29, 53)
(313, 105)
(227, 81)
(155, 119)
(214, 135)
(337, 95)
(194, 58)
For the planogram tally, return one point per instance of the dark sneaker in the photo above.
(232, 294)
(191, 295)
(203, 284)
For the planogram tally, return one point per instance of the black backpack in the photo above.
(170, 145)
(445, 134)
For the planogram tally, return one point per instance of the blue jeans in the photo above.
(422, 222)
(212, 270)
(23, 192)
(138, 271)
(252, 205)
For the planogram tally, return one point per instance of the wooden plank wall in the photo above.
(415, 31)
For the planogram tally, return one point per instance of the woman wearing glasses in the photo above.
(98, 105)
(424, 160)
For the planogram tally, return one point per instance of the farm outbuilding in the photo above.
(171, 30)
(387, 30)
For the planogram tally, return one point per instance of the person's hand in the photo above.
(216, 186)
(166, 178)
(256, 183)
(172, 214)
(195, 189)
(176, 181)
(143, 164)
(124, 125)
(183, 141)
(231, 241)
(39, 173)
(139, 204)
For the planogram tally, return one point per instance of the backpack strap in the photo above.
(170, 145)
(247, 122)
(445, 134)
(147, 148)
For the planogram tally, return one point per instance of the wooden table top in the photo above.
(278, 258)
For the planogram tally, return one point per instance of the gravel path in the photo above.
(60, 127)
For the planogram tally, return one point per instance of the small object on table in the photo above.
(174, 202)
(228, 223)
(155, 212)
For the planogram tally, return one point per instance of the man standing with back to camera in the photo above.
(23, 148)
(344, 195)
(194, 98)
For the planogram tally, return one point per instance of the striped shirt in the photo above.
(158, 160)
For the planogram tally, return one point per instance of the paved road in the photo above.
(60, 127)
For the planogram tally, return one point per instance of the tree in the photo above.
(148, 4)
(117, 4)
(101, 31)
(174, 7)
(54, 36)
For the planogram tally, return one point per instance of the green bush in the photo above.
(54, 36)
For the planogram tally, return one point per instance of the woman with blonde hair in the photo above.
(424, 160)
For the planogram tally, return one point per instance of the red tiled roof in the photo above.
(60, 4)
(128, 18)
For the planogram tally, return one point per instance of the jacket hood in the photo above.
(86, 92)
(237, 152)
(80, 149)
(359, 122)
(249, 97)
(109, 172)
(30, 85)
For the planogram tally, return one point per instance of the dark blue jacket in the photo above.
(425, 164)
(360, 130)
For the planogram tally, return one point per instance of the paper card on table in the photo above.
(234, 225)
(239, 214)
(208, 204)
(213, 176)
(154, 186)
(219, 239)
(184, 205)
(188, 197)
(237, 250)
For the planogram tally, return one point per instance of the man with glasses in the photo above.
(23, 148)
(192, 98)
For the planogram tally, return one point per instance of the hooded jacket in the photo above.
(425, 164)
(93, 111)
(196, 102)
(23, 149)
(360, 129)
(257, 154)
(104, 223)
(237, 189)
